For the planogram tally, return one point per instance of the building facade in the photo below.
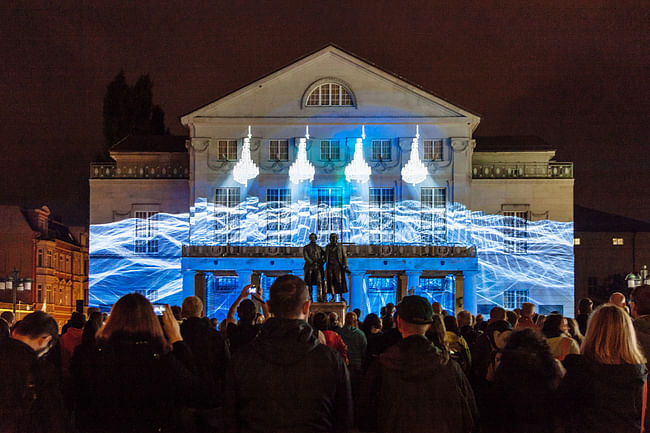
(45, 260)
(334, 144)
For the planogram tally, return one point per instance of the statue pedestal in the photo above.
(339, 308)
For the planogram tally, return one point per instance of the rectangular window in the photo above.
(221, 293)
(67, 264)
(576, 241)
(515, 232)
(49, 259)
(381, 215)
(40, 257)
(279, 150)
(146, 230)
(39, 293)
(432, 150)
(278, 216)
(618, 241)
(227, 150)
(381, 150)
(330, 150)
(514, 298)
(330, 212)
(433, 215)
(50, 295)
(226, 215)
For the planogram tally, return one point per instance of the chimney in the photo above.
(42, 220)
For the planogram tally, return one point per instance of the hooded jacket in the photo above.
(413, 388)
(603, 398)
(285, 380)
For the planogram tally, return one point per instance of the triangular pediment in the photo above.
(377, 93)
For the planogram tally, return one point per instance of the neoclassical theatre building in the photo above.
(334, 144)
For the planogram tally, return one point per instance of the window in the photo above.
(381, 150)
(279, 150)
(67, 264)
(221, 292)
(278, 216)
(381, 291)
(49, 294)
(514, 298)
(617, 241)
(330, 94)
(226, 215)
(39, 294)
(330, 150)
(432, 150)
(147, 293)
(227, 150)
(515, 232)
(40, 258)
(330, 212)
(49, 259)
(146, 229)
(433, 215)
(440, 290)
(576, 241)
(381, 217)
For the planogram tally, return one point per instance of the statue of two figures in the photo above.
(330, 280)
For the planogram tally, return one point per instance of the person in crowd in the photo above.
(5, 331)
(390, 309)
(585, 307)
(556, 331)
(71, 339)
(526, 320)
(178, 314)
(242, 332)
(285, 381)
(437, 335)
(356, 343)
(387, 322)
(412, 388)
(137, 379)
(539, 321)
(479, 323)
(496, 314)
(372, 328)
(521, 397)
(466, 328)
(512, 318)
(9, 317)
(30, 396)
(437, 308)
(574, 330)
(87, 344)
(335, 323)
(358, 313)
(640, 310)
(214, 323)
(458, 347)
(211, 356)
(484, 354)
(604, 387)
(618, 299)
(320, 322)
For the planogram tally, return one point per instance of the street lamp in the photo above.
(635, 280)
(14, 286)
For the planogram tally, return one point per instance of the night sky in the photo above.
(574, 73)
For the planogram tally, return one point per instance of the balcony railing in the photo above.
(523, 170)
(138, 171)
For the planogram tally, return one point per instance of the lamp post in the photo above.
(634, 280)
(14, 286)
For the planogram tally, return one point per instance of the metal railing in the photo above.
(138, 171)
(523, 170)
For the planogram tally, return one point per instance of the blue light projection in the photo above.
(513, 255)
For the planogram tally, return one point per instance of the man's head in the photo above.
(414, 316)
(38, 330)
(9, 317)
(618, 299)
(640, 301)
(585, 306)
(333, 238)
(527, 309)
(77, 320)
(246, 311)
(390, 309)
(358, 313)
(464, 318)
(437, 308)
(352, 320)
(289, 298)
(312, 237)
(497, 313)
(192, 307)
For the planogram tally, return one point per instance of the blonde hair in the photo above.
(192, 307)
(611, 338)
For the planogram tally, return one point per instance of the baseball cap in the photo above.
(415, 309)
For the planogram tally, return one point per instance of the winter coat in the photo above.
(128, 385)
(69, 341)
(30, 397)
(334, 340)
(642, 328)
(562, 346)
(285, 381)
(211, 355)
(357, 344)
(241, 334)
(602, 398)
(413, 388)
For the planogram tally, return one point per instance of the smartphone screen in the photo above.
(158, 309)
(252, 289)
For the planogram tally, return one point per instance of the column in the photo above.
(412, 279)
(460, 294)
(469, 298)
(188, 284)
(357, 295)
(199, 287)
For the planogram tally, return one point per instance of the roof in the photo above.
(512, 143)
(56, 229)
(330, 47)
(592, 220)
(150, 143)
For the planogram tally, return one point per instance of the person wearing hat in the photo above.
(412, 386)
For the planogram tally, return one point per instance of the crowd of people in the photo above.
(273, 366)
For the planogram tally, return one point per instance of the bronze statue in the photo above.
(313, 269)
(337, 267)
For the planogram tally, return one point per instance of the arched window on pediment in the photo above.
(329, 93)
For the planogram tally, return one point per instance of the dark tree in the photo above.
(130, 109)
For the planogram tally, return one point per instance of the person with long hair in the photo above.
(137, 377)
(605, 386)
(556, 331)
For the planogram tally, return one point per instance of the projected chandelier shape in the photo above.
(414, 171)
(358, 169)
(245, 169)
(302, 169)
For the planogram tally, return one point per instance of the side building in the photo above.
(334, 144)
